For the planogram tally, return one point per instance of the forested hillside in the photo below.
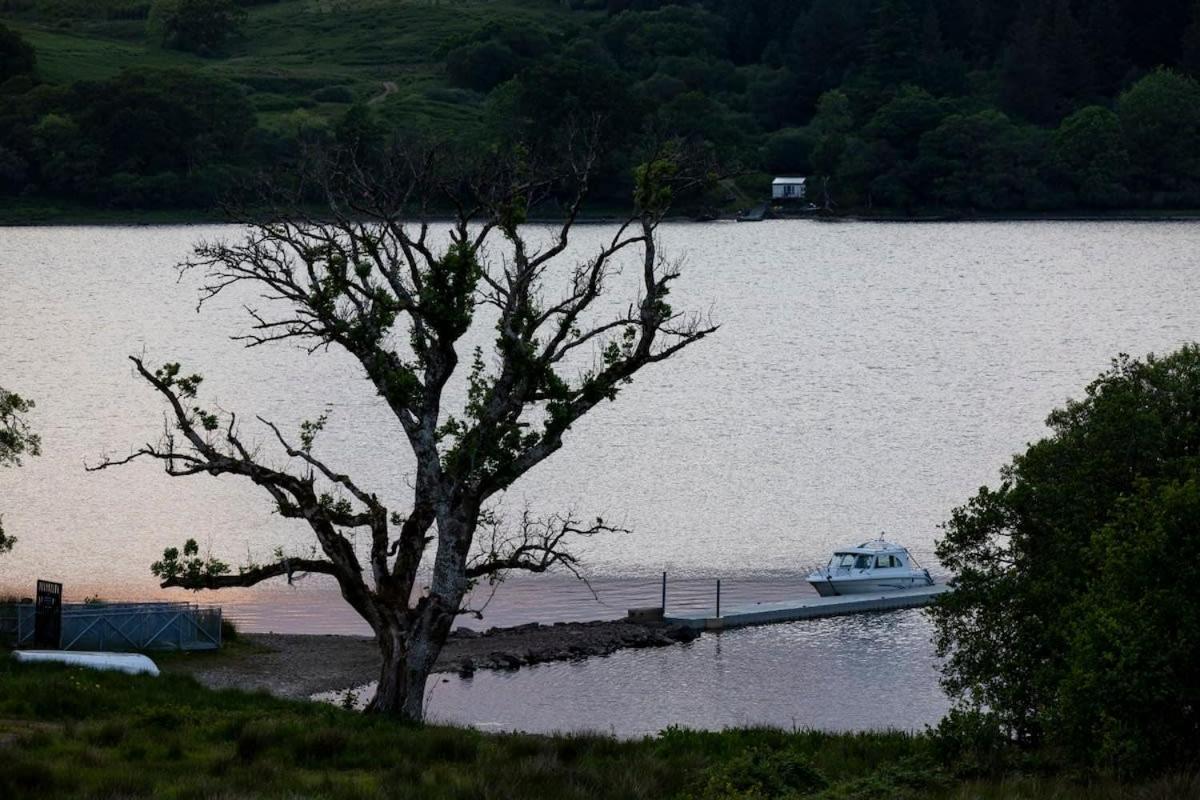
(909, 106)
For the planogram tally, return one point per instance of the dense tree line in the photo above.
(905, 104)
(898, 105)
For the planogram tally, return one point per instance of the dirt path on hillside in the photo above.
(389, 88)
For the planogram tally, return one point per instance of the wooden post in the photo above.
(718, 598)
(664, 592)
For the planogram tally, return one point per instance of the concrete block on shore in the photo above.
(646, 614)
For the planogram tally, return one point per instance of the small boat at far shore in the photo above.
(874, 566)
(132, 663)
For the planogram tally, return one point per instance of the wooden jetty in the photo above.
(807, 608)
(756, 214)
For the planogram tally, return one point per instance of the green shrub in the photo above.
(321, 744)
(197, 26)
(760, 772)
(334, 94)
(972, 742)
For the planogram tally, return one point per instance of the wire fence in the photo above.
(120, 626)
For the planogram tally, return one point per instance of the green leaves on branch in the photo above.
(184, 387)
(309, 430)
(334, 506)
(188, 568)
(447, 297)
(616, 351)
(652, 193)
(16, 439)
(512, 214)
(187, 387)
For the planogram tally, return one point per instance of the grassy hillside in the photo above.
(386, 52)
(80, 733)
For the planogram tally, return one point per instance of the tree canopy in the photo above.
(16, 56)
(1073, 620)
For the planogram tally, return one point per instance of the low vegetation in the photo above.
(80, 733)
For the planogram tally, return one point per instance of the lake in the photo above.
(867, 377)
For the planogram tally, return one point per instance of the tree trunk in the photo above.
(408, 658)
(402, 676)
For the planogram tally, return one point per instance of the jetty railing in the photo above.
(120, 626)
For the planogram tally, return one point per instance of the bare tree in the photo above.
(370, 280)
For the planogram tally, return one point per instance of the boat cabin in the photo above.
(864, 558)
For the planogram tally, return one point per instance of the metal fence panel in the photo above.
(121, 626)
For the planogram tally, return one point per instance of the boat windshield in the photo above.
(842, 560)
(864, 562)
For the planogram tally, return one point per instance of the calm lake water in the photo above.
(849, 673)
(867, 377)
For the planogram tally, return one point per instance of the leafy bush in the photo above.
(1129, 698)
(972, 741)
(757, 773)
(198, 26)
(16, 55)
(334, 94)
(481, 65)
(458, 97)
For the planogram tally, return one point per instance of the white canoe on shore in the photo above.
(133, 663)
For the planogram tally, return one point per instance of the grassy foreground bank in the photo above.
(79, 733)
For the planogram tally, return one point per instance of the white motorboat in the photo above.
(874, 566)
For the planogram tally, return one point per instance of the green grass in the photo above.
(293, 48)
(79, 733)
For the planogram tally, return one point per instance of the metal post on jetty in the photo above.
(718, 598)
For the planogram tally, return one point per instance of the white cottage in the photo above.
(787, 189)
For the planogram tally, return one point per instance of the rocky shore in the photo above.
(290, 665)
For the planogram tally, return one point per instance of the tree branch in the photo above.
(288, 567)
(538, 545)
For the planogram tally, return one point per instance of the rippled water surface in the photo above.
(865, 377)
(866, 672)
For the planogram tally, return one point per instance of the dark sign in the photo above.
(47, 621)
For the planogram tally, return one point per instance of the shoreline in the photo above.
(152, 219)
(302, 665)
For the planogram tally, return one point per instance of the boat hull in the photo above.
(133, 663)
(832, 587)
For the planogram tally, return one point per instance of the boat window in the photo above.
(886, 562)
(842, 560)
(863, 562)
